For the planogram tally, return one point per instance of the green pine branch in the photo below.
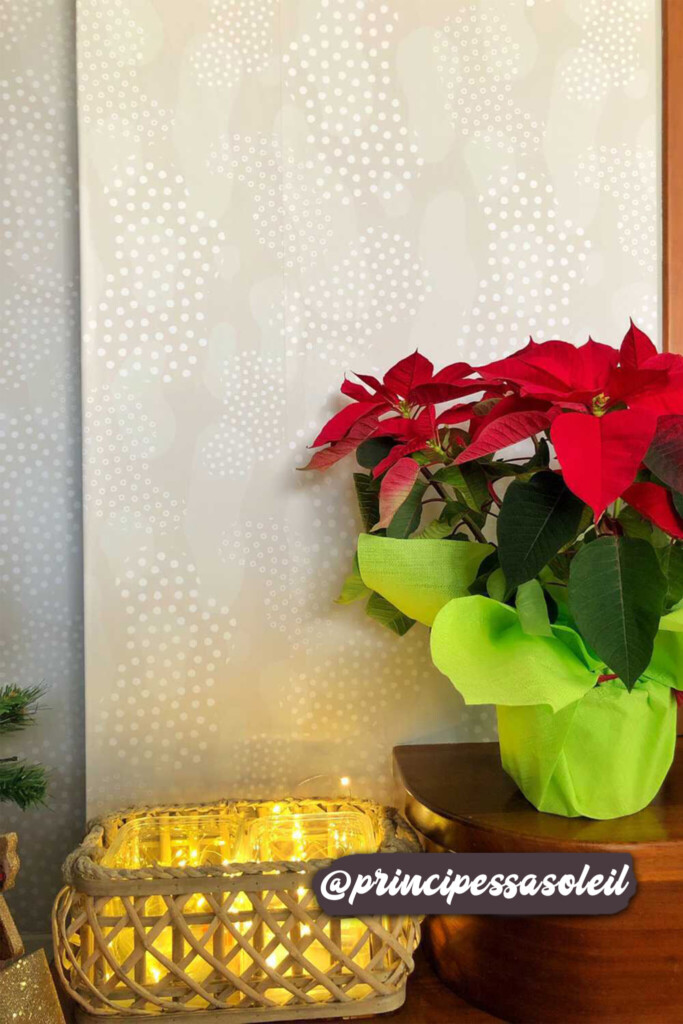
(22, 783)
(18, 706)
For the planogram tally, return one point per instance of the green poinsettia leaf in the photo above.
(469, 480)
(537, 518)
(496, 586)
(678, 501)
(367, 493)
(539, 460)
(419, 576)
(616, 597)
(532, 608)
(634, 525)
(436, 530)
(371, 452)
(406, 519)
(664, 457)
(456, 511)
(353, 589)
(671, 564)
(388, 615)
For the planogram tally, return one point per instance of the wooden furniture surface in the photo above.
(627, 967)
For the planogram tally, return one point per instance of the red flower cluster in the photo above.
(604, 409)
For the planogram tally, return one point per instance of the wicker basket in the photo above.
(234, 941)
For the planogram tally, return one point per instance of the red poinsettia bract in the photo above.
(601, 405)
(400, 407)
(606, 411)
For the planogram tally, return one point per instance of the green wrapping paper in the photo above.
(573, 746)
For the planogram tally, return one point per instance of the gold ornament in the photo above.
(27, 992)
(10, 940)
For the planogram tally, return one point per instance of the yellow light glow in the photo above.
(345, 781)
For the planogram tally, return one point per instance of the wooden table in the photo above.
(627, 967)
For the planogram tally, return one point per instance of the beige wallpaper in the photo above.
(275, 191)
(41, 620)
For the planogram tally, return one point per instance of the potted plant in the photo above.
(551, 579)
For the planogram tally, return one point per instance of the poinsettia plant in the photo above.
(585, 527)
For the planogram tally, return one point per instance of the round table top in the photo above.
(459, 797)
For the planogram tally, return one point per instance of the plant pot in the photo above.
(603, 756)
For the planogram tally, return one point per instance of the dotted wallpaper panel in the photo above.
(275, 192)
(41, 617)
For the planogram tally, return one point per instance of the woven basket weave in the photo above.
(242, 954)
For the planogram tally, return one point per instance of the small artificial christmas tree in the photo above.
(22, 783)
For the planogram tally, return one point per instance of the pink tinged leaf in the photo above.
(408, 373)
(636, 348)
(340, 424)
(359, 432)
(396, 486)
(656, 504)
(396, 453)
(504, 431)
(600, 455)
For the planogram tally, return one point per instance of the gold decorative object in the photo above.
(27, 992)
(10, 939)
(178, 910)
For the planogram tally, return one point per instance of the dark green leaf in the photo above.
(665, 455)
(470, 482)
(353, 588)
(407, 516)
(456, 511)
(536, 519)
(388, 615)
(633, 523)
(616, 597)
(539, 460)
(487, 567)
(371, 452)
(678, 501)
(532, 609)
(671, 564)
(367, 493)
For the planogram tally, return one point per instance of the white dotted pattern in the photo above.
(37, 192)
(111, 101)
(478, 63)
(40, 311)
(607, 56)
(250, 431)
(177, 648)
(380, 282)
(149, 319)
(119, 439)
(629, 177)
(536, 262)
(341, 74)
(290, 215)
(239, 41)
